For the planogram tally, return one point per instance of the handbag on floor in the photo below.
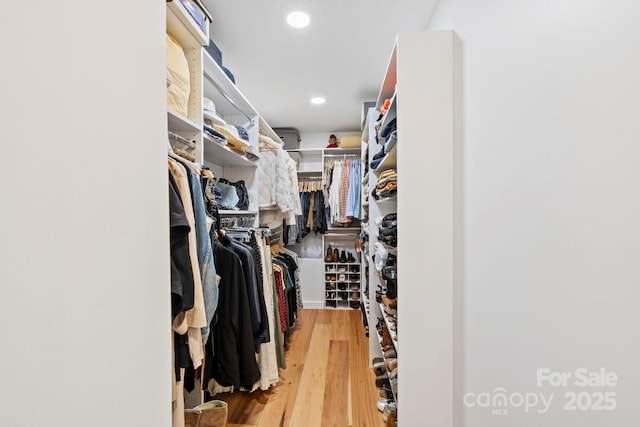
(210, 414)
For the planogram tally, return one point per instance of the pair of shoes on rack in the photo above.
(382, 381)
(391, 364)
(382, 404)
(329, 256)
(380, 368)
(333, 254)
(387, 393)
(389, 413)
(386, 348)
(393, 380)
(390, 354)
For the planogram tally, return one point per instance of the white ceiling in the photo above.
(342, 55)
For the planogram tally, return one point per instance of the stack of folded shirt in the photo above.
(390, 142)
(215, 135)
(388, 231)
(387, 184)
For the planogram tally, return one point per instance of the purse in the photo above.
(229, 199)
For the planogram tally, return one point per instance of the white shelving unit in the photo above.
(342, 280)
(313, 246)
(182, 27)
(422, 81)
(207, 79)
(178, 123)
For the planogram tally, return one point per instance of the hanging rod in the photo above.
(303, 175)
(228, 98)
(342, 155)
(182, 139)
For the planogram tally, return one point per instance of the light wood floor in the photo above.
(327, 383)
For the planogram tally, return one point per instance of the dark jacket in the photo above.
(231, 358)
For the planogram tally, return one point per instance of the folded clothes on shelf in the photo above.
(212, 133)
(389, 127)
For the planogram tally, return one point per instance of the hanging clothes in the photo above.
(343, 187)
(205, 253)
(230, 349)
(311, 198)
(195, 318)
(250, 280)
(269, 374)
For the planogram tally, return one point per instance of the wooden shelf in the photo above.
(221, 155)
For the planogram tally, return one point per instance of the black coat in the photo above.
(231, 359)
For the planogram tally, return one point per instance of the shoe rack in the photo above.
(342, 272)
(425, 67)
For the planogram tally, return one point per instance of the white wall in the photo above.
(84, 224)
(551, 150)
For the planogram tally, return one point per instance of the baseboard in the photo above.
(314, 305)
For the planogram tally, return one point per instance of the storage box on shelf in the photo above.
(181, 22)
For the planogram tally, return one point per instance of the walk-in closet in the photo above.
(320, 214)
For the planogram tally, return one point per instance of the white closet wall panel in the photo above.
(551, 212)
(84, 265)
(311, 274)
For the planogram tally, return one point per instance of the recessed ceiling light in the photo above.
(298, 19)
(318, 100)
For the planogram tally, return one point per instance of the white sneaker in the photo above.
(389, 409)
(381, 405)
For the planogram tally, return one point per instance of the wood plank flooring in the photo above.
(327, 383)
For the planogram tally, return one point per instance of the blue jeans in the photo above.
(205, 252)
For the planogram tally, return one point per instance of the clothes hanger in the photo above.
(206, 172)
